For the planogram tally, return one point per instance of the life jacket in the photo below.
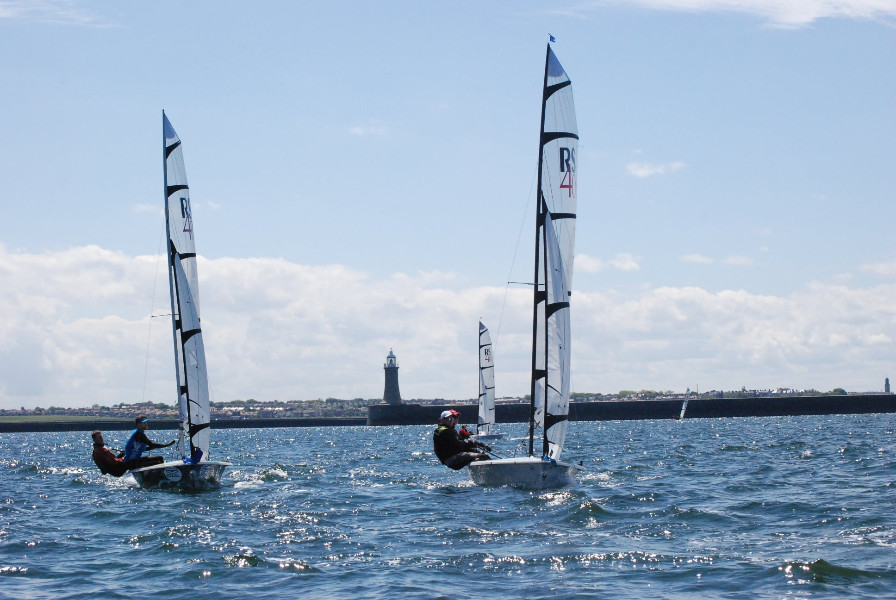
(134, 449)
(445, 443)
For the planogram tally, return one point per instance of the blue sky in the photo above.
(362, 179)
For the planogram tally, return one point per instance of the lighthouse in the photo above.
(391, 395)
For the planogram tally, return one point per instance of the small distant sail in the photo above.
(486, 383)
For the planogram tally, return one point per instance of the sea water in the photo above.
(717, 508)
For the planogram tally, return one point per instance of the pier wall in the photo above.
(628, 410)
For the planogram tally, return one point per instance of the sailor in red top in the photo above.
(108, 463)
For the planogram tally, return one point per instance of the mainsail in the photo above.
(486, 383)
(554, 250)
(189, 352)
(554, 246)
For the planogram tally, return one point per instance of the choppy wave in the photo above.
(703, 508)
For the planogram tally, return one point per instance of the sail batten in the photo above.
(557, 135)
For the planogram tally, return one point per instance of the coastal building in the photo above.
(391, 394)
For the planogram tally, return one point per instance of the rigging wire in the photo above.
(513, 260)
(152, 306)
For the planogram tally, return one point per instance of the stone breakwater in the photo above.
(629, 410)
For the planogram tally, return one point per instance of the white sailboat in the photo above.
(486, 419)
(554, 247)
(193, 470)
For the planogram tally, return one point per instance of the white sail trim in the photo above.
(486, 383)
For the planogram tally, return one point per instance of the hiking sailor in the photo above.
(452, 451)
(138, 443)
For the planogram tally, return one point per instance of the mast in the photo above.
(539, 235)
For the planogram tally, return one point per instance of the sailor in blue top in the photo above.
(138, 443)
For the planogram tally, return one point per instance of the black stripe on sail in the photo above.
(181, 256)
(176, 188)
(171, 148)
(539, 373)
(552, 308)
(556, 216)
(551, 420)
(186, 335)
(553, 89)
(194, 429)
(550, 136)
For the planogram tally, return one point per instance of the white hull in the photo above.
(177, 474)
(528, 473)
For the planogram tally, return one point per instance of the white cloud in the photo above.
(738, 261)
(66, 12)
(373, 127)
(641, 170)
(886, 270)
(148, 208)
(697, 258)
(734, 260)
(625, 262)
(672, 338)
(781, 13)
(75, 329)
(622, 262)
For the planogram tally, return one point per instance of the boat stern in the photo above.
(177, 474)
(527, 473)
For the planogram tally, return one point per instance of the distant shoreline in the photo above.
(417, 414)
(25, 425)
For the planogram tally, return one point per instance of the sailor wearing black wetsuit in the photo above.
(452, 451)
